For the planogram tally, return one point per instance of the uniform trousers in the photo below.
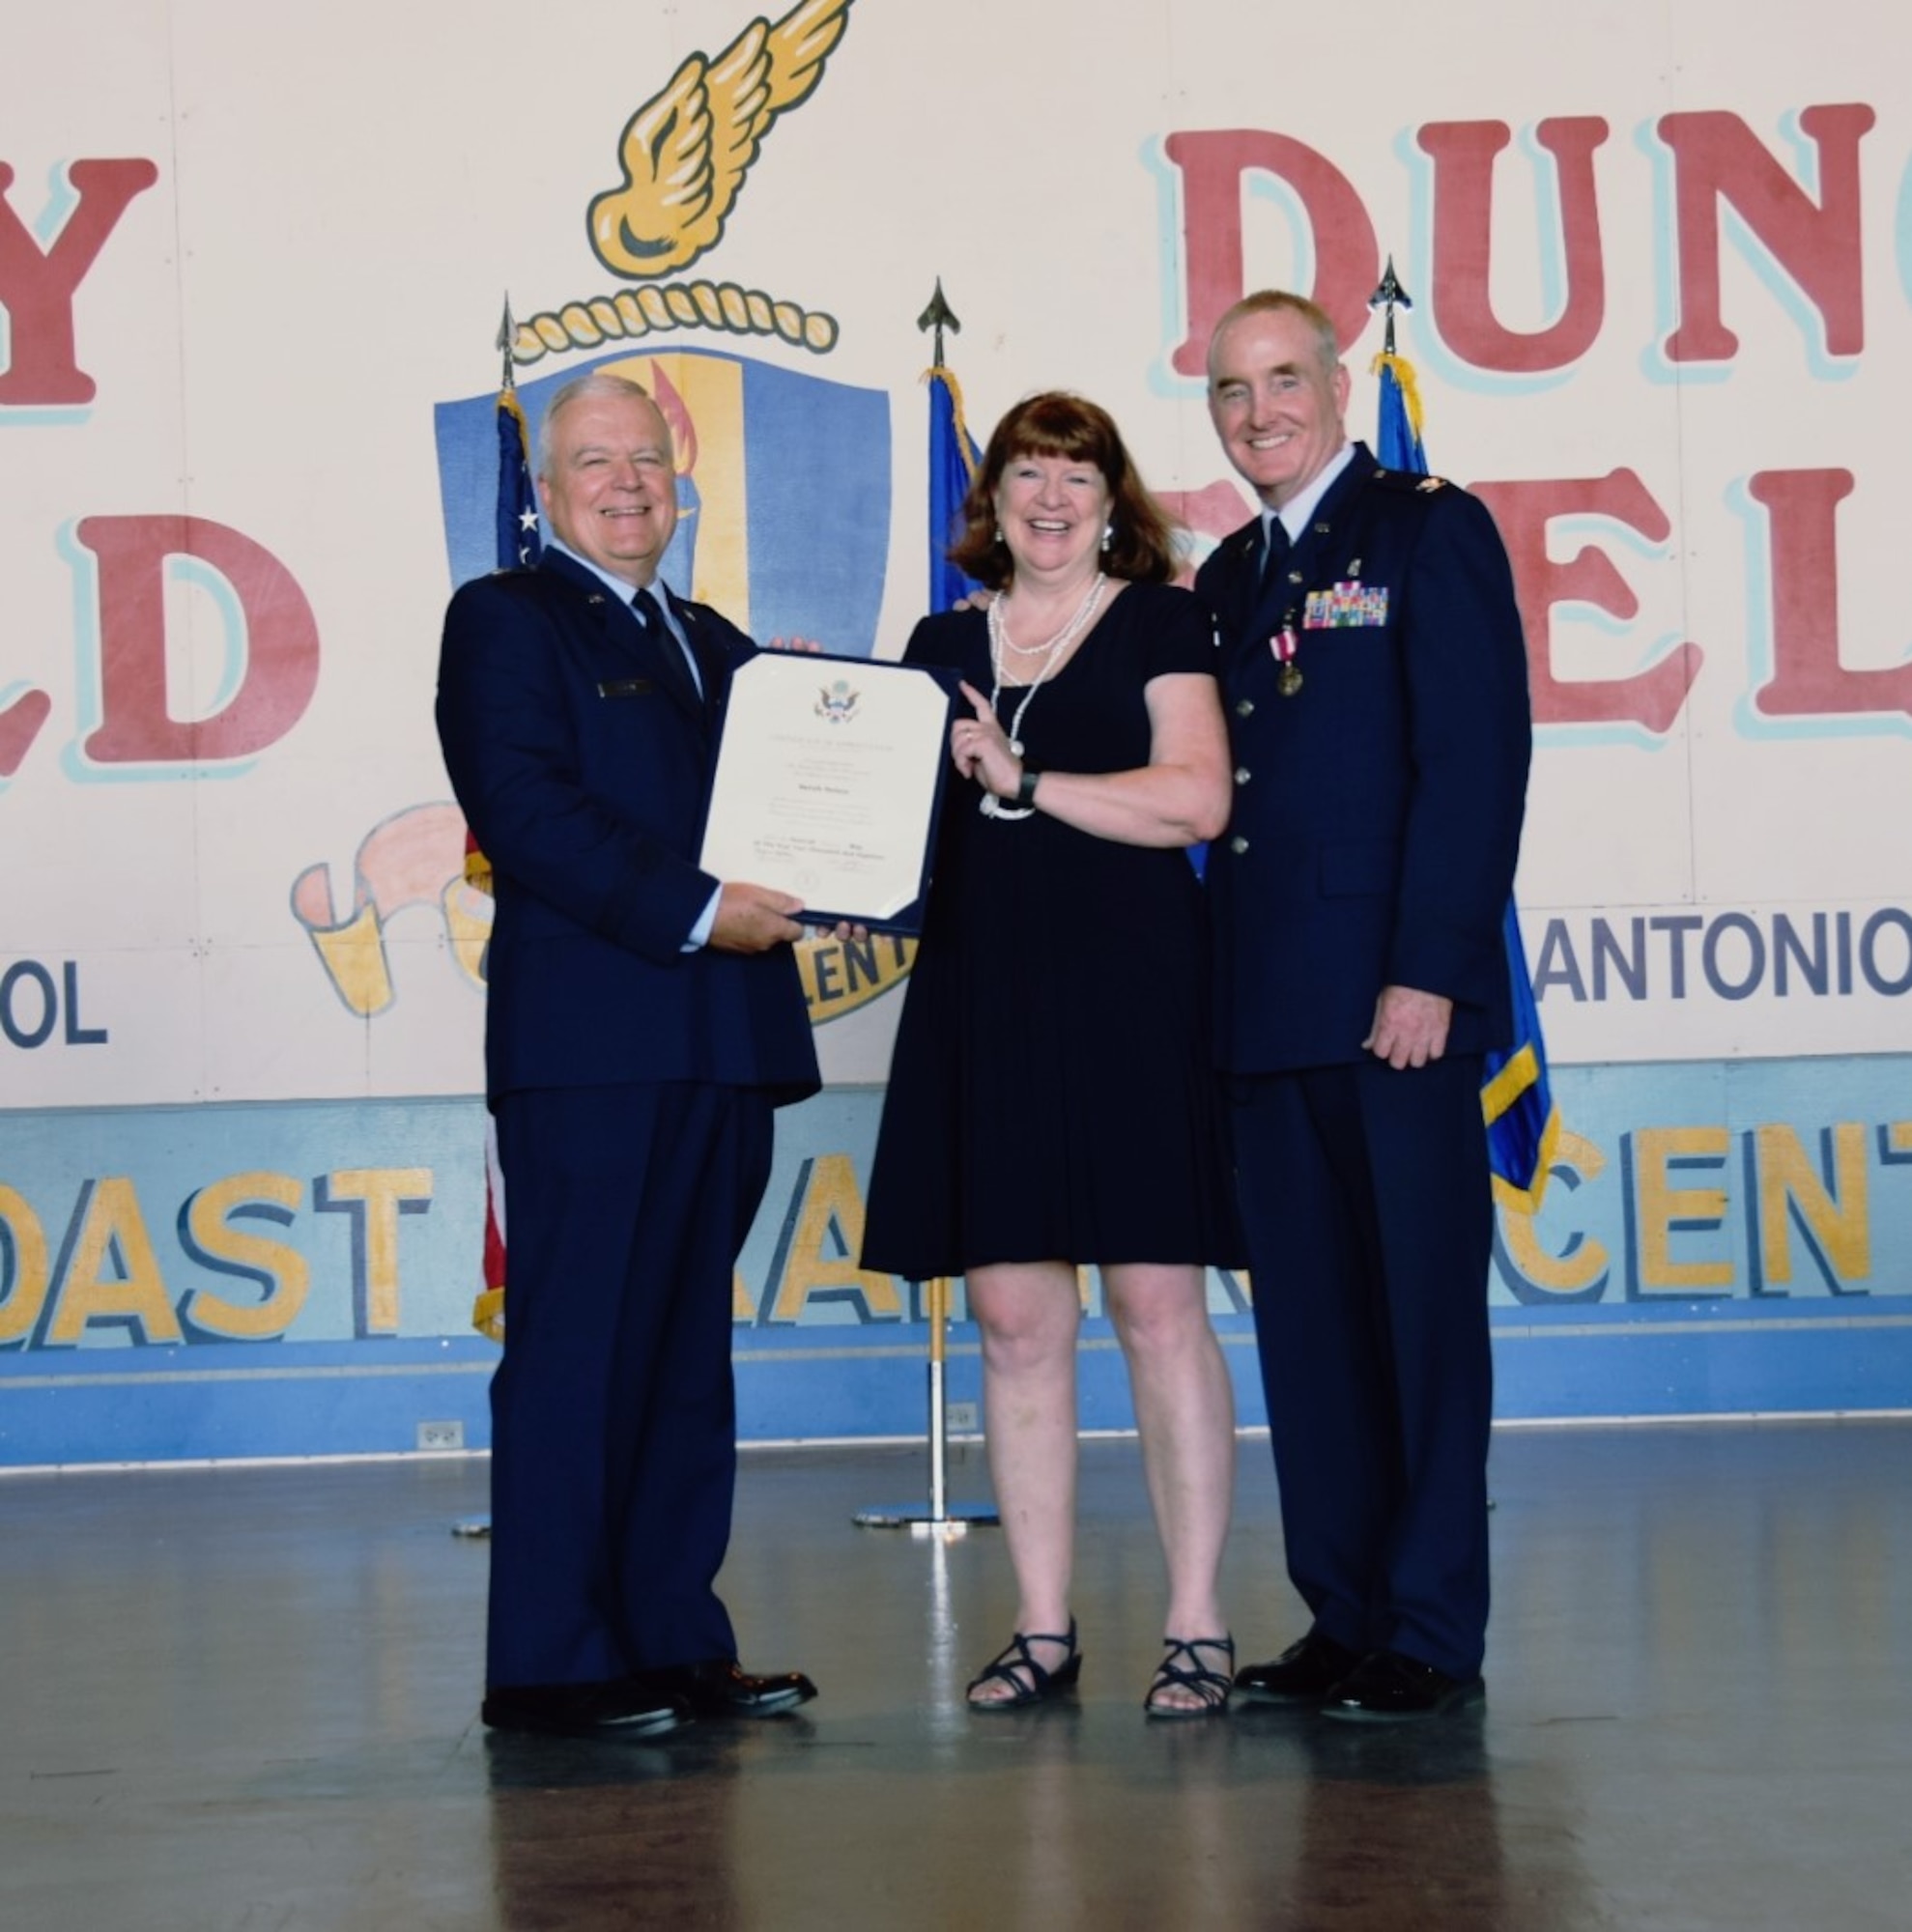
(614, 1410)
(1366, 1203)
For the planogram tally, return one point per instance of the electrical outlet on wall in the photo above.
(441, 1436)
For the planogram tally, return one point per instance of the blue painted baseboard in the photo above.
(179, 1284)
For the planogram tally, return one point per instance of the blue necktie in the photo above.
(1274, 559)
(650, 615)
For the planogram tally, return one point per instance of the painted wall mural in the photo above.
(1663, 315)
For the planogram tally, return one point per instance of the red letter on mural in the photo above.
(36, 289)
(1651, 697)
(1716, 158)
(281, 643)
(1462, 153)
(19, 725)
(1808, 679)
(1347, 261)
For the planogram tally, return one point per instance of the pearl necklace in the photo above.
(1000, 642)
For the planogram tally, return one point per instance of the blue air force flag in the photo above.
(1517, 1100)
(517, 533)
(953, 462)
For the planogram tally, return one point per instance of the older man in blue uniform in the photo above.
(644, 1018)
(1375, 678)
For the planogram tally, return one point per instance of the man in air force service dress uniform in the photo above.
(644, 1019)
(1374, 682)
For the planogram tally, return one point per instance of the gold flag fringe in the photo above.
(1404, 374)
(938, 373)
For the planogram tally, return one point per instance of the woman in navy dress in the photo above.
(1051, 1103)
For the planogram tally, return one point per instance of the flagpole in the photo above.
(938, 314)
(1386, 297)
(488, 1311)
(939, 1519)
(507, 335)
(1517, 1099)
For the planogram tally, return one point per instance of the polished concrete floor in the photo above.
(245, 1700)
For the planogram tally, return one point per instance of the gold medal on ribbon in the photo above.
(1284, 644)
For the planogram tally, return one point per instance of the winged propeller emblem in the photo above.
(686, 151)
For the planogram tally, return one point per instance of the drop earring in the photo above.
(1108, 537)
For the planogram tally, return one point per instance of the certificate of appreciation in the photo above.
(828, 778)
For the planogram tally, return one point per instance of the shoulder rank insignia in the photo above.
(1408, 482)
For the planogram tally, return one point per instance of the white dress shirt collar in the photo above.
(625, 592)
(1299, 507)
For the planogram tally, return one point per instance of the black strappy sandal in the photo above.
(1211, 1687)
(1029, 1683)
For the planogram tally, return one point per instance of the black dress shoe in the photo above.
(622, 1709)
(1303, 1674)
(721, 1686)
(1389, 1689)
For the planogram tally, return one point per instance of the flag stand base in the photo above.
(938, 1519)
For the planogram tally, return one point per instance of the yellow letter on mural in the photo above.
(386, 1193)
(134, 1294)
(1836, 1222)
(283, 1274)
(25, 1294)
(830, 1215)
(1663, 1206)
(1584, 1260)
